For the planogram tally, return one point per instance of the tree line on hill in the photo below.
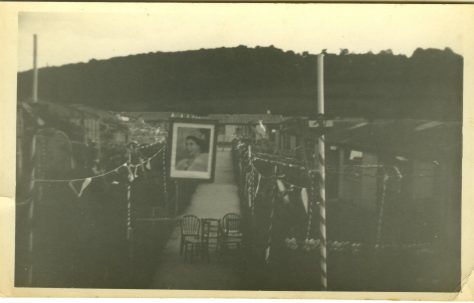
(425, 85)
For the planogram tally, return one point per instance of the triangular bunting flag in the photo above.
(131, 176)
(283, 191)
(267, 254)
(148, 164)
(135, 171)
(258, 184)
(84, 186)
(73, 188)
(304, 199)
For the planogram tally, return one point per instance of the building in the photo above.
(232, 126)
(426, 154)
(156, 119)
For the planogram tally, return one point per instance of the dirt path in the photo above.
(212, 200)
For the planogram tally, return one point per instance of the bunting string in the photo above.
(115, 170)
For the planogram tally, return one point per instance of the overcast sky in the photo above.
(72, 37)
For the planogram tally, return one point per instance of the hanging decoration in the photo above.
(311, 196)
(270, 226)
(164, 175)
(259, 178)
(249, 188)
(84, 185)
(129, 213)
(304, 199)
(115, 170)
(283, 192)
(381, 209)
(148, 164)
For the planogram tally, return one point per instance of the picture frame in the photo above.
(192, 149)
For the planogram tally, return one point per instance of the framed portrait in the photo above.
(192, 149)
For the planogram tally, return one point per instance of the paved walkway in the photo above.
(211, 200)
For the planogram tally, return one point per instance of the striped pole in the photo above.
(322, 177)
(250, 179)
(129, 213)
(381, 210)
(164, 172)
(31, 212)
(310, 209)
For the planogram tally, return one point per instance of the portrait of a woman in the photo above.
(196, 158)
(193, 149)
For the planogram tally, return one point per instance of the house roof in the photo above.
(153, 116)
(408, 137)
(247, 118)
(94, 112)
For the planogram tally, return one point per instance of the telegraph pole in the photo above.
(35, 68)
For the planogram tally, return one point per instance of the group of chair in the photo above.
(199, 235)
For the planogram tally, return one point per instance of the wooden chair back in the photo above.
(190, 225)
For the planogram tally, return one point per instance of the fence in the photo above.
(77, 225)
(278, 196)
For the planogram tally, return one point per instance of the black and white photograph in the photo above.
(192, 149)
(249, 147)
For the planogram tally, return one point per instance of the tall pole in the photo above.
(35, 68)
(322, 176)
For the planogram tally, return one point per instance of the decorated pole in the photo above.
(31, 211)
(320, 162)
(381, 209)
(165, 179)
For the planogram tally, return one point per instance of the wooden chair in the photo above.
(189, 234)
(231, 232)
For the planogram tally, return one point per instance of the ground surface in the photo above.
(211, 200)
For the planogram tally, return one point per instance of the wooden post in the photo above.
(340, 173)
(277, 141)
(35, 69)
(38, 157)
(320, 164)
(19, 144)
(176, 198)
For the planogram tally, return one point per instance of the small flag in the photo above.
(148, 165)
(131, 176)
(267, 255)
(85, 184)
(258, 184)
(71, 186)
(304, 199)
(283, 191)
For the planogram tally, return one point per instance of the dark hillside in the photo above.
(426, 85)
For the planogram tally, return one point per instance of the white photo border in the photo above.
(176, 123)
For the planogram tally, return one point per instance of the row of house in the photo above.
(229, 126)
(419, 149)
(426, 153)
(84, 127)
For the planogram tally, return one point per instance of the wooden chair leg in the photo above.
(185, 250)
(192, 251)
